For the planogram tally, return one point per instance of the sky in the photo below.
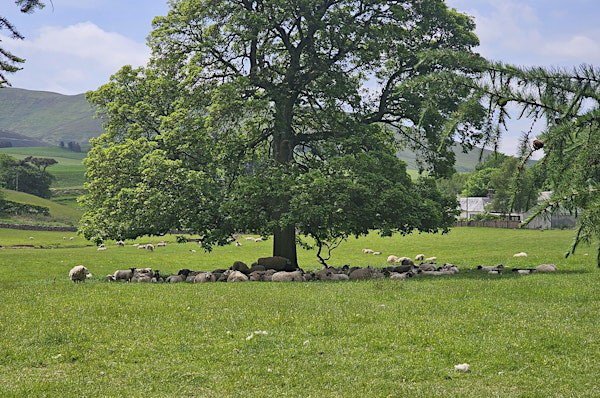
(72, 46)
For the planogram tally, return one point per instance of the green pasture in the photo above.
(69, 171)
(523, 336)
(59, 214)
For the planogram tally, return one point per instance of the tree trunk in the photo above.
(284, 238)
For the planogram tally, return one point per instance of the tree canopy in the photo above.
(9, 63)
(568, 102)
(19, 175)
(284, 116)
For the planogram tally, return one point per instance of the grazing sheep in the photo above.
(150, 247)
(237, 244)
(162, 243)
(141, 247)
(449, 267)
(120, 243)
(31, 238)
(393, 259)
(431, 260)
(283, 276)
(377, 253)
(367, 251)
(419, 257)
(545, 268)
(235, 276)
(101, 248)
(204, 277)
(277, 263)
(240, 266)
(249, 238)
(520, 254)
(124, 275)
(72, 238)
(258, 239)
(79, 273)
(339, 277)
(109, 278)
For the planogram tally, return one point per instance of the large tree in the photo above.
(9, 62)
(283, 116)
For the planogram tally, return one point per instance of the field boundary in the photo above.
(28, 227)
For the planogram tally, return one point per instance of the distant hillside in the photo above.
(20, 140)
(49, 117)
(58, 213)
(465, 162)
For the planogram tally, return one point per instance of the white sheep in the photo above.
(150, 247)
(419, 257)
(79, 273)
(124, 275)
(283, 276)
(545, 268)
(400, 275)
(431, 259)
(258, 239)
(203, 277)
(393, 259)
(237, 244)
(162, 243)
(31, 238)
(520, 254)
(120, 243)
(367, 251)
(249, 238)
(101, 248)
(377, 253)
(64, 238)
(72, 238)
(235, 276)
(141, 247)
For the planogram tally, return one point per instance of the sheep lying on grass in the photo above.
(79, 273)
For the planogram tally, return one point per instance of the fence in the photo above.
(490, 224)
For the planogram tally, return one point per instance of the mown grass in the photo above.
(59, 214)
(529, 336)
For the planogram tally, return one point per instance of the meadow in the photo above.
(69, 171)
(524, 336)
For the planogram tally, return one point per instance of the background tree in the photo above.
(18, 175)
(9, 62)
(266, 108)
(41, 163)
(568, 101)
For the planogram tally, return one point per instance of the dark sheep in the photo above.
(277, 263)
(180, 277)
(240, 266)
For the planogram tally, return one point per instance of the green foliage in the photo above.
(569, 103)
(254, 116)
(452, 186)
(478, 183)
(21, 176)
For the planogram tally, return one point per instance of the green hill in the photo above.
(59, 214)
(47, 116)
(69, 171)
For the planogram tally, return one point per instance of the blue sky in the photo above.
(75, 45)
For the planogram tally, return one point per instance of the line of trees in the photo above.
(28, 175)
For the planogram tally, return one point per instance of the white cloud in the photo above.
(74, 58)
(580, 48)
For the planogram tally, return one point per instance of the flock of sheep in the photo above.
(280, 269)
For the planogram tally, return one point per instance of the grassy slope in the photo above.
(69, 171)
(533, 336)
(58, 212)
(49, 116)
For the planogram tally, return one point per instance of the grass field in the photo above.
(528, 336)
(59, 214)
(69, 171)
